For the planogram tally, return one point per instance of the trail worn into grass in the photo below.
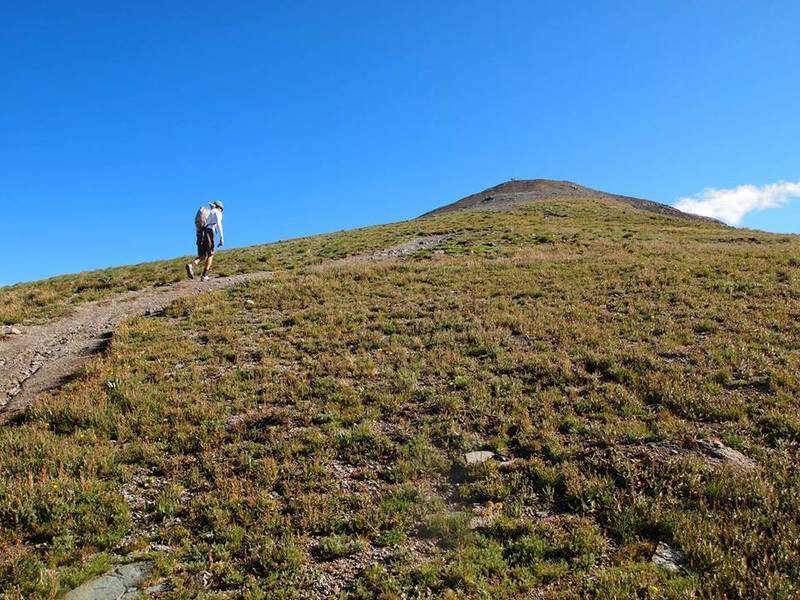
(43, 357)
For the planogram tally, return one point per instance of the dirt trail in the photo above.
(43, 357)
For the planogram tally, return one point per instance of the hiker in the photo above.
(207, 219)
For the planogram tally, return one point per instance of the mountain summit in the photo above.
(522, 191)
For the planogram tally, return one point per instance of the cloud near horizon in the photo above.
(732, 204)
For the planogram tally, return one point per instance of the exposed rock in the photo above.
(250, 303)
(477, 457)
(668, 558)
(715, 451)
(708, 450)
(118, 584)
(14, 331)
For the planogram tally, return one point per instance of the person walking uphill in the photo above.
(207, 219)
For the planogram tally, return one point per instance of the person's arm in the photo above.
(219, 228)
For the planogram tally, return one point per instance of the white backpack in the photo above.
(201, 218)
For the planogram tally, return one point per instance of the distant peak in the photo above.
(516, 192)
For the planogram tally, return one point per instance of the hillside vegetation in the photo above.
(40, 301)
(304, 436)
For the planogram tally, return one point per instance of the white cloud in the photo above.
(731, 205)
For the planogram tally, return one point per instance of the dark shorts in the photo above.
(205, 242)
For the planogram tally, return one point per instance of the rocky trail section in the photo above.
(39, 358)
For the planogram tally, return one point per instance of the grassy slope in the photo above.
(567, 342)
(41, 300)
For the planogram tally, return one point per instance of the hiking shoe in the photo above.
(190, 271)
(205, 278)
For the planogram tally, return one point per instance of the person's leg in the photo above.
(190, 267)
(207, 251)
(200, 256)
(207, 266)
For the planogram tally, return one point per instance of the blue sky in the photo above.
(120, 118)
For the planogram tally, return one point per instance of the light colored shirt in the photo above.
(215, 222)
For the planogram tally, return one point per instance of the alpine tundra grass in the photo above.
(304, 436)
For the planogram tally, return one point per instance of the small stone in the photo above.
(668, 558)
(249, 302)
(477, 457)
(14, 331)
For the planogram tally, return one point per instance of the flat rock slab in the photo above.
(118, 584)
(477, 457)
